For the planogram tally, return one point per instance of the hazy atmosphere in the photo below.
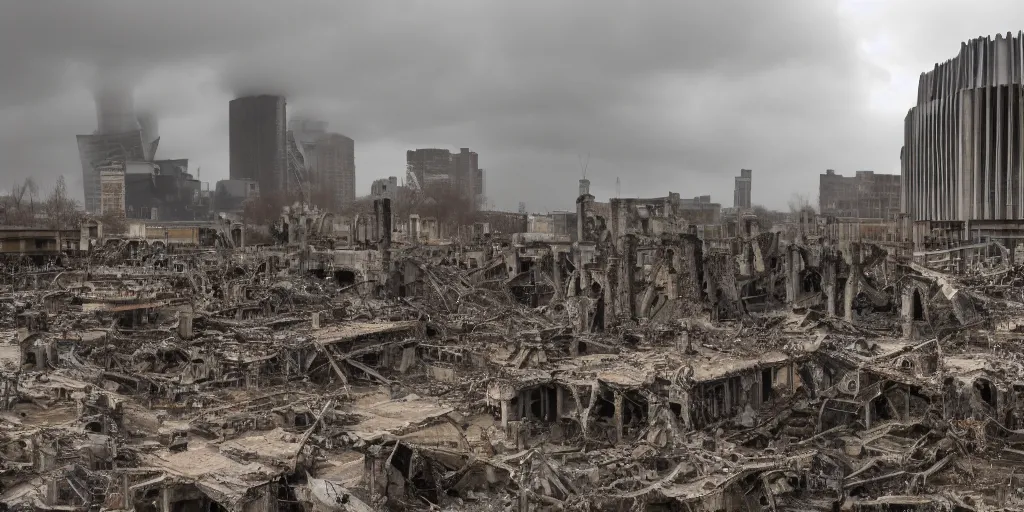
(665, 95)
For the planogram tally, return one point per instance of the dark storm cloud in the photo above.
(664, 94)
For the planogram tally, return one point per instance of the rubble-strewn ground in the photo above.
(510, 374)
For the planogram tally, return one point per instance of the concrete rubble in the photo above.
(635, 366)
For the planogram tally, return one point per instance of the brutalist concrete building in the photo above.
(962, 153)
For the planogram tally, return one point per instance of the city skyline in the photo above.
(830, 90)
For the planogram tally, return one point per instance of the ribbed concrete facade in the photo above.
(962, 151)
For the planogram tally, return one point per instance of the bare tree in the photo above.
(19, 208)
(765, 219)
(61, 211)
(114, 223)
(799, 203)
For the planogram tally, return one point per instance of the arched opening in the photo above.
(987, 391)
(811, 282)
(767, 384)
(345, 277)
(301, 420)
(880, 408)
(917, 305)
(94, 427)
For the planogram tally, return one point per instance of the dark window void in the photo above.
(881, 409)
(986, 390)
(812, 283)
(767, 384)
(677, 409)
(345, 277)
(605, 406)
(917, 306)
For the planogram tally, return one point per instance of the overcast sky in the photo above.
(665, 95)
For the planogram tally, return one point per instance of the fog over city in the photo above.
(664, 95)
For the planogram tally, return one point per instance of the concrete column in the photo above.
(618, 417)
(165, 499)
(557, 275)
(907, 312)
(852, 281)
(829, 285)
(316, 319)
(185, 325)
(504, 414)
(867, 415)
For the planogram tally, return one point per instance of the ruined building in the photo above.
(163, 190)
(741, 195)
(385, 187)
(962, 152)
(429, 167)
(258, 141)
(120, 137)
(468, 176)
(436, 169)
(354, 365)
(865, 195)
(330, 158)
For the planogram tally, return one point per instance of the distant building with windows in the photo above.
(865, 195)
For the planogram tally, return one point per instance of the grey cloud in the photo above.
(664, 94)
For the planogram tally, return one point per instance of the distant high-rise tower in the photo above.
(467, 173)
(331, 158)
(258, 143)
(741, 196)
(426, 168)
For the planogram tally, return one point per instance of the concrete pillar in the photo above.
(852, 281)
(907, 312)
(828, 285)
(185, 325)
(504, 414)
(165, 499)
(557, 275)
(618, 416)
(792, 274)
(316, 319)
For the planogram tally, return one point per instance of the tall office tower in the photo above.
(741, 195)
(336, 165)
(963, 152)
(428, 168)
(257, 141)
(331, 159)
(467, 174)
(480, 195)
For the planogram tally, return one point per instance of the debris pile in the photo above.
(634, 366)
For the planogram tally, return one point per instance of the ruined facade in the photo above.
(368, 363)
(865, 195)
